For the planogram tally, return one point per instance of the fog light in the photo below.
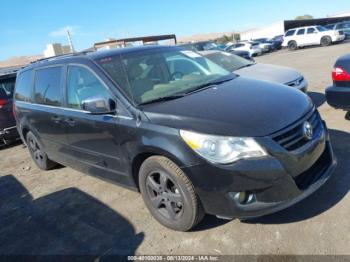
(243, 197)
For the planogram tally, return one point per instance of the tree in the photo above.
(304, 17)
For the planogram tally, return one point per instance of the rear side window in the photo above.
(24, 86)
(47, 89)
(301, 32)
(311, 30)
(290, 32)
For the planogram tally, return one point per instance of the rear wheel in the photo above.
(37, 153)
(292, 45)
(326, 41)
(169, 194)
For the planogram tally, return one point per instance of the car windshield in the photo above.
(321, 28)
(153, 74)
(229, 61)
(6, 88)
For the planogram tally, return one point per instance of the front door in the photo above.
(93, 139)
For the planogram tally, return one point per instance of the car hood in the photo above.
(240, 107)
(278, 74)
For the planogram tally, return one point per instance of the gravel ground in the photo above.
(65, 212)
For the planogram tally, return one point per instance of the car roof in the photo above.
(209, 52)
(94, 55)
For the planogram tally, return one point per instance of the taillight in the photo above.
(3, 102)
(339, 74)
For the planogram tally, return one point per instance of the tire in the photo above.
(169, 195)
(326, 41)
(292, 45)
(37, 153)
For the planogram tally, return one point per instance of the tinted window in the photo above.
(329, 27)
(24, 86)
(6, 88)
(81, 85)
(321, 28)
(290, 33)
(311, 30)
(301, 32)
(47, 89)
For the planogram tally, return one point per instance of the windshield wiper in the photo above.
(163, 98)
(247, 65)
(208, 85)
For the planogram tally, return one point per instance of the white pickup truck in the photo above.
(311, 35)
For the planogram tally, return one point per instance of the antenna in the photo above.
(70, 42)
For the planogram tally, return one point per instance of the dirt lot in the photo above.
(65, 212)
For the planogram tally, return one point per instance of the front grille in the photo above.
(293, 137)
(295, 82)
(310, 176)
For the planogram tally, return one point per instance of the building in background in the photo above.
(56, 49)
(279, 28)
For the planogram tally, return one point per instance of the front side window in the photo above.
(148, 75)
(24, 86)
(290, 33)
(311, 30)
(82, 84)
(47, 88)
(301, 32)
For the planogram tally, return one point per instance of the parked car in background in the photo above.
(311, 35)
(200, 46)
(275, 45)
(338, 95)
(209, 45)
(264, 45)
(8, 130)
(343, 26)
(278, 38)
(252, 48)
(193, 139)
(266, 72)
(243, 54)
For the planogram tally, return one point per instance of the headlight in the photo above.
(222, 149)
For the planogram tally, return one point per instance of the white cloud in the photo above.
(73, 29)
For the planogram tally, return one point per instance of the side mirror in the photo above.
(99, 105)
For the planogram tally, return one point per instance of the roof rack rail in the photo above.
(52, 58)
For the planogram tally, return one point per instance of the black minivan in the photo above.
(192, 137)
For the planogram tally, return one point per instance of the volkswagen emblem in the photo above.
(307, 130)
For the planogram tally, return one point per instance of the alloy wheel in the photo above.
(164, 195)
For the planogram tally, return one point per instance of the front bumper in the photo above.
(274, 182)
(338, 97)
(8, 134)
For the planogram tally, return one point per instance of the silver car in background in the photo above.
(273, 73)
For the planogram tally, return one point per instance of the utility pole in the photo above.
(70, 42)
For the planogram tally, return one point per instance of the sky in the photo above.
(26, 26)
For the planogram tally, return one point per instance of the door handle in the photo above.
(70, 121)
(56, 119)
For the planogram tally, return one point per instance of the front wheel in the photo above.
(169, 195)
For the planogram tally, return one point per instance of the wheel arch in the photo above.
(146, 153)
